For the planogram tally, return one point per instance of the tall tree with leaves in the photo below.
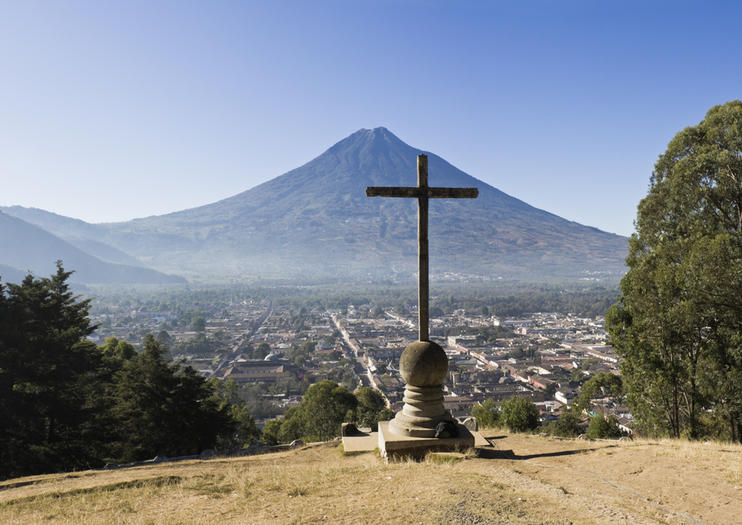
(322, 410)
(600, 385)
(487, 413)
(244, 432)
(47, 377)
(371, 408)
(162, 408)
(678, 320)
(519, 414)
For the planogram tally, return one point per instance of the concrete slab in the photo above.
(363, 442)
(393, 445)
(480, 441)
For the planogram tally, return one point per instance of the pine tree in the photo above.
(162, 408)
(47, 378)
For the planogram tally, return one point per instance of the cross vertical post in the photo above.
(423, 364)
(423, 290)
(423, 193)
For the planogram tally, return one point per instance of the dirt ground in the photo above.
(518, 479)
(664, 481)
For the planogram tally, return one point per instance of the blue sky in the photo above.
(116, 110)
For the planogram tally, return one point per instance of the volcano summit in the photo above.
(316, 222)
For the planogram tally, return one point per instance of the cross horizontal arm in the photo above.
(413, 192)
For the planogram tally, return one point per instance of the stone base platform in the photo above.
(361, 442)
(396, 446)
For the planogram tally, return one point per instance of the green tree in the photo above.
(244, 432)
(487, 413)
(198, 323)
(271, 429)
(292, 426)
(164, 336)
(323, 408)
(677, 321)
(519, 414)
(47, 377)
(568, 425)
(603, 428)
(115, 354)
(377, 312)
(162, 408)
(603, 384)
(371, 408)
(117, 351)
(261, 351)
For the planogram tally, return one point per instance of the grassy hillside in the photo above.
(521, 479)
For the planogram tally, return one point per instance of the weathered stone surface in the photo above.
(423, 366)
(471, 423)
(393, 445)
(422, 411)
(423, 363)
(349, 429)
(360, 443)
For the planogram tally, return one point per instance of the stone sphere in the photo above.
(423, 363)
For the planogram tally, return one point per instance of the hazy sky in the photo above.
(115, 110)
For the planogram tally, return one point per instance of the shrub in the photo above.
(602, 428)
(568, 425)
(519, 414)
(270, 431)
(486, 413)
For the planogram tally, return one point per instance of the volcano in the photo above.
(316, 222)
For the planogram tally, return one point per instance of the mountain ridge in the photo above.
(33, 249)
(316, 221)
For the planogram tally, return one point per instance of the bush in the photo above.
(371, 408)
(568, 425)
(519, 414)
(602, 428)
(323, 408)
(270, 432)
(487, 413)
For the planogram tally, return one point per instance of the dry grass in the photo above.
(523, 479)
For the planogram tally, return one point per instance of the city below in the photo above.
(273, 353)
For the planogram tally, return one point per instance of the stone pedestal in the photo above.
(395, 446)
(423, 366)
(421, 413)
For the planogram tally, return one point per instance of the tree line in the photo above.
(68, 404)
(677, 324)
(520, 414)
(323, 409)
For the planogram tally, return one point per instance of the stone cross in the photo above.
(422, 192)
(423, 364)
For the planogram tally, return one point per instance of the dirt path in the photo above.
(667, 481)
